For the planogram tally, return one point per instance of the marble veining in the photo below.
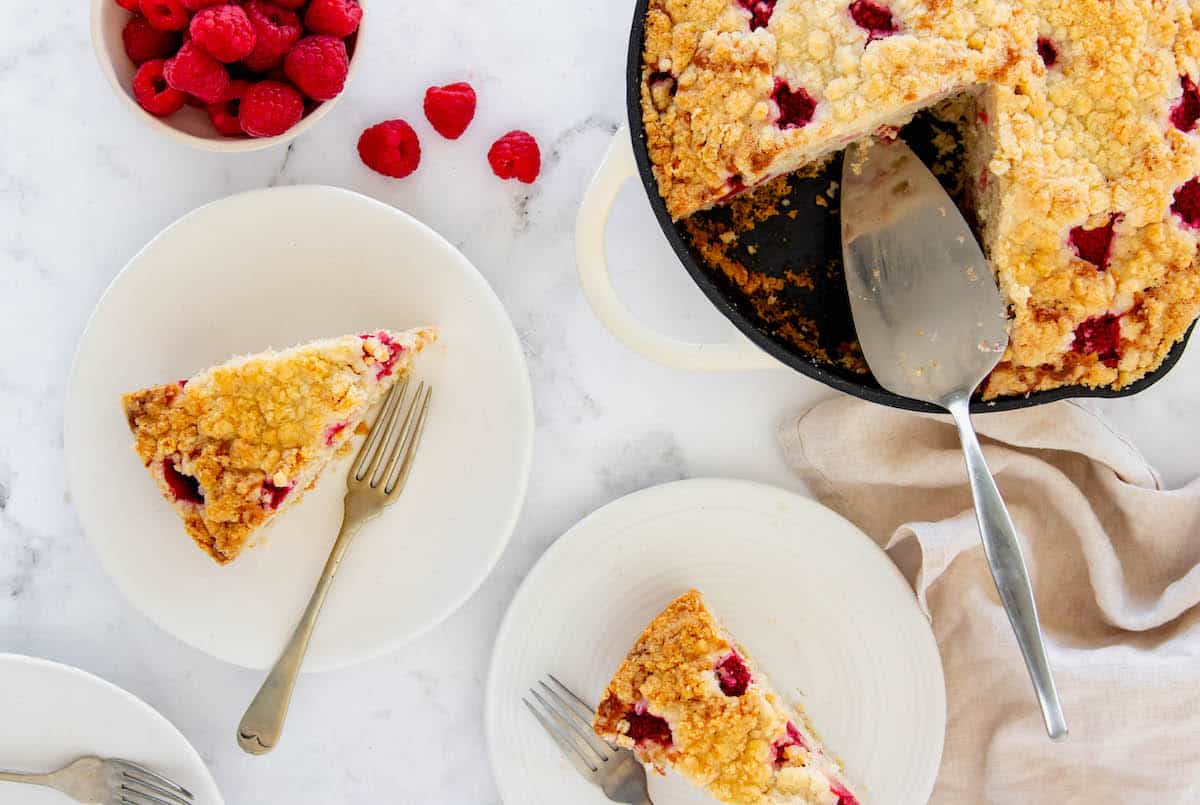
(84, 185)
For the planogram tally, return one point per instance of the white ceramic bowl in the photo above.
(189, 125)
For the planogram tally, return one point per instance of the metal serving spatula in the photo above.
(932, 324)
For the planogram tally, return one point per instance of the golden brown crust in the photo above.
(261, 424)
(726, 744)
(1060, 146)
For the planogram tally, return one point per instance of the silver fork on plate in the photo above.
(375, 482)
(617, 772)
(107, 781)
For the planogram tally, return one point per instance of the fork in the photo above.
(107, 781)
(568, 720)
(375, 482)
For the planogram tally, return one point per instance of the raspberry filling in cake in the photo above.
(236, 444)
(1080, 129)
(685, 698)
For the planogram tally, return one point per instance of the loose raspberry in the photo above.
(128, 5)
(270, 108)
(449, 109)
(225, 113)
(516, 154)
(276, 30)
(291, 5)
(165, 15)
(390, 148)
(334, 17)
(796, 107)
(193, 71)
(196, 5)
(151, 91)
(224, 32)
(318, 65)
(144, 42)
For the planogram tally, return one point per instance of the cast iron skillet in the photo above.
(807, 325)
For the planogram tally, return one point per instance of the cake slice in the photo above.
(236, 444)
(687, 697)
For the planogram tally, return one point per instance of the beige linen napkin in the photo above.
(1115, 561)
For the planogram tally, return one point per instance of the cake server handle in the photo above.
(1004, 558)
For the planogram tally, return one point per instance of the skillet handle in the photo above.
(590, 255)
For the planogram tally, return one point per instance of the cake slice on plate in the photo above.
(236, 444)
(687, 697)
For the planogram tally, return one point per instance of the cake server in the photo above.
(932, 325)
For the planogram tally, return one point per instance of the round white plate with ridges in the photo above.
(52, 714)
(273, 268)
(817, 604)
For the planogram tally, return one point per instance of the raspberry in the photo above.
(1047, 51)
(875, 19)
(516, 154)
(844, 796)
(276, 30)
(165, 15)
(196, 5)
(733, 675)
(224, 32)
(144, 42)
(128, 5)
(318, 65)
(153, 93)
(193, 71)
(183, 487)
(794, 738)
(1100, 336)
(449, 109)
(1187, 203)
(291, 5)
(1187, 111)
(224, 114)
(390, 148)
(644, 726)
(270, 108)
(796, 107)
(1094, 245)
(760, 12)
(334, 17)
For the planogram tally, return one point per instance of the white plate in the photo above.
(53, 714)
(275, 268)
(821, 608)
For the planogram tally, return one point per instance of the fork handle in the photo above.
(1004, 558)
(262, 725)
(26, 778)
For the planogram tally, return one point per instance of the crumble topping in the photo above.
(1083, 155)
(233, 444)
(722, 725)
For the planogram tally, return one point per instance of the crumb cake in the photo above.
(689, 698)
(1083, 144)
(236, 444)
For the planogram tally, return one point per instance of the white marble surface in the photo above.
(83, 185)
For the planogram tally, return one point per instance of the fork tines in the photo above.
(569, 721)
(141, 786)
(393, 439)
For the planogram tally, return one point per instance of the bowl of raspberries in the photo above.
(228, 75)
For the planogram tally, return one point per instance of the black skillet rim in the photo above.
(793, 359)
